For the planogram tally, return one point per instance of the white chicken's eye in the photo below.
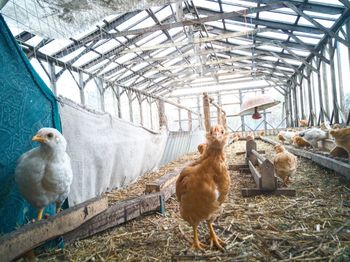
(50, 135)
(222, 131)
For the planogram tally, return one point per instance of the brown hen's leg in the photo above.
(196, 244)
(214, 239)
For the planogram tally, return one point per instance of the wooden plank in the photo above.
(340, 167)
(243, 152)
(251, 145)
(244, 171)
(247, 192)
(256, 175)
(116, 214)
(268, 179)
(29, 236)
(236, 167)
(163, 181)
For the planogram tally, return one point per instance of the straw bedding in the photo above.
(313, 226)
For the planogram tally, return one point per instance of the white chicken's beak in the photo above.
(38, 138)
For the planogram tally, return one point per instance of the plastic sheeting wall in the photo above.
(180, 143)
(109, 153)
(106, 152)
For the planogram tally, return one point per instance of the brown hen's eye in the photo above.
(50, 135)
(222, 131)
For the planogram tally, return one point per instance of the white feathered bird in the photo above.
(44, 174)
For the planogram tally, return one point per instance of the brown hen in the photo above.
(342, 138)
(203, 186)
(285, 164)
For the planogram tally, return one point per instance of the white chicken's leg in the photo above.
(196, 244)
(40, 213)
(214, 239)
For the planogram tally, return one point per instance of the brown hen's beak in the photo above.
(38, 138)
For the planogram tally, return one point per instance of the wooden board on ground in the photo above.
(29, 236)
(116, 214)
(247, 192)
(237, 167)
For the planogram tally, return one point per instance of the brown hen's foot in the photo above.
(214, 239)
(196, 244)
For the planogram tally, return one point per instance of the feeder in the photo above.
(257, 103)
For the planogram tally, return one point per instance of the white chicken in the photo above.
(313, 135)
(286, 136)
(44, 174)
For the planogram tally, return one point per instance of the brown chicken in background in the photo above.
(203, 186)
(300, 142)
(342, 138)
(285, 164)
(303, 123)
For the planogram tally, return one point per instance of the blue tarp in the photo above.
(26, 105)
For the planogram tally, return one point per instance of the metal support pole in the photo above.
(296, 113)
(189, 115)
(264, 114)
(320, 97)
(179, 114)
(118, 101)
(200, 121)
(81, 88)
(141, 112)
(340, 81)
(53, 79)
(99, 84)
(301, 98)
(334, 84)
(150, 114)
(131, 114)
(240, 103)
(325, 85)
(310, 95)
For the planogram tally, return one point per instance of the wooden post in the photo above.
(162, 116)
(206, 109)
(189, 115)
(200, 120)
(250, 146)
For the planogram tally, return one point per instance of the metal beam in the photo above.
(218, 16)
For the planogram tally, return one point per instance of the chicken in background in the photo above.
(234, 138)
(44, 174)
(342, 138)
(300, 142)
(336, 126)
(201, 148)
(325, 126)
(203, 186)
(285, 164)
(262, 133)
(286, 136)
(313, 135)
(303, 123)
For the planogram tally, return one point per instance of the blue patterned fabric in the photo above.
(26, 105)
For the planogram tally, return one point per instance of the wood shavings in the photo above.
(313, 226)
